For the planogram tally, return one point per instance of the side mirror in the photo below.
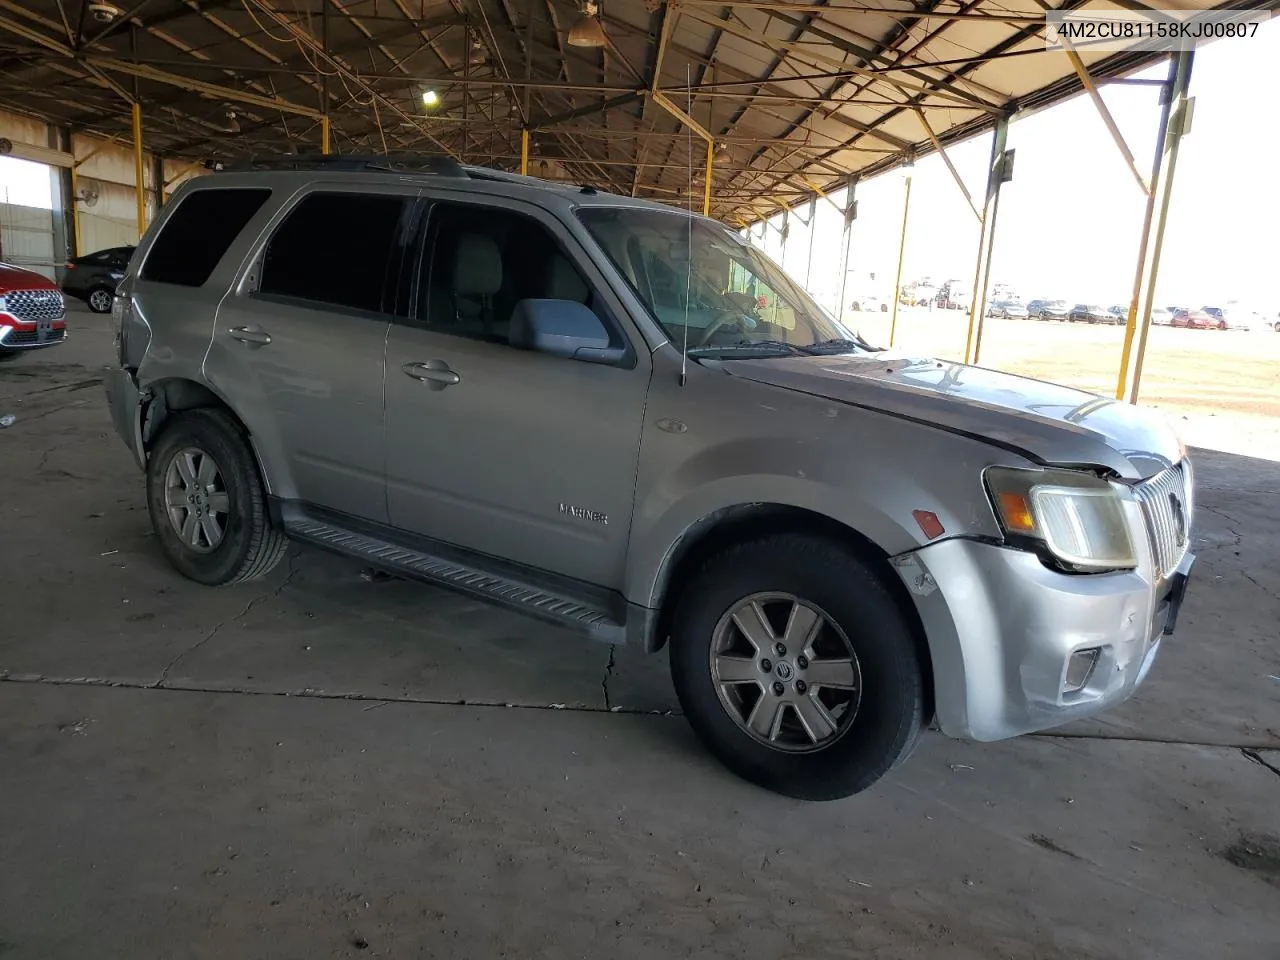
(562, 328)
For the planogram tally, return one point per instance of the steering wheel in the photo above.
(724, 318)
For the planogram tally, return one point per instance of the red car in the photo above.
(32, 314)
(1197, 320)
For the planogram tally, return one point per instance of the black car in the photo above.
(1047, 309)
(1090, 313)
(93, 277)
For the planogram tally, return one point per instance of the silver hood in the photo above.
(1045, 422)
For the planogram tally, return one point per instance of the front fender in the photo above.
(723, 442)
(661, 526)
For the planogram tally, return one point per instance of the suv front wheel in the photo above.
(207, 502)
(796, 668)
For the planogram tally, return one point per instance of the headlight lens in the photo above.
(1077, 517)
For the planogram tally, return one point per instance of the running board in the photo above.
(446, 566)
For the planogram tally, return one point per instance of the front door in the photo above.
(507, 452)
(305, 341)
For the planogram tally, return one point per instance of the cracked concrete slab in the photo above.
(137, 822)
(545, 832)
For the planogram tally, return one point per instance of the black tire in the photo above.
(890, 715)
(250, 547)
(103, 306)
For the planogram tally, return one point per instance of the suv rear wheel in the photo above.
(796, 668)
(207, 503)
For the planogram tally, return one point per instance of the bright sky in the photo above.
(25, 184)
(1069, 221)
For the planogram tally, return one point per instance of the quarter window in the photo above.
(335, 249)
(198, 233)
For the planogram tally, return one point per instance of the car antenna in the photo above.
(688, 258)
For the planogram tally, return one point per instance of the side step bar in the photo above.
(446, 566)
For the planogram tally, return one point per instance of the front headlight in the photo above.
(1078, 518)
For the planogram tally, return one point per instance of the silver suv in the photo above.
(621, 418)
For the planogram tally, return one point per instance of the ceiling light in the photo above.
(588, 31)
(430, 98)
(722, 154)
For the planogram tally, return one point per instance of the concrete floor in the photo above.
(321, 766)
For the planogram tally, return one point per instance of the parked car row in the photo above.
(1206, 318)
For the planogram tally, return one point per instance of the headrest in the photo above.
(477, 266)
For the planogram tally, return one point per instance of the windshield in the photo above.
(703, 283)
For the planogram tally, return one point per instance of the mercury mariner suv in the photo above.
(624, 419)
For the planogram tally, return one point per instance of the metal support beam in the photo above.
(662, 100)
(1112, 127)
(139, 170)
(157, 178)
(986, 241)
(325, 135)
(74, 199)
(213, 90)
(955, 174)
(846, 241)
(1174, 124)
(902, 249)
(706, 195)
(524, 151)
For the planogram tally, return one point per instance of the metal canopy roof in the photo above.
(796, 95)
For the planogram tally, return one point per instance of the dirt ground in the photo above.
(322, 766)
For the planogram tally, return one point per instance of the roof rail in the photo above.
(391, 162)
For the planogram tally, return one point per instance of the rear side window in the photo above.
(197, 234)
(335, 249)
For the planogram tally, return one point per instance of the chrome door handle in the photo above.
(246, 335)
(435, 373)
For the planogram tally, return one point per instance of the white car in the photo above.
(869, 305)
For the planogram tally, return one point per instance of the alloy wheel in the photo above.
(100, 301)
(785, 672)
(196, 499)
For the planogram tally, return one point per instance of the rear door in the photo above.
(305, 337)
(523, 456)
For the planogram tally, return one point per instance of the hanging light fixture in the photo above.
(722, 154)
(588, 31)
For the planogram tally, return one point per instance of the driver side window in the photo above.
(479, 262)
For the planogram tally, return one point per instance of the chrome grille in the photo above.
(34, 306)
(1166, 504)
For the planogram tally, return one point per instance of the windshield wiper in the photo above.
(838, 345)
(743, 346)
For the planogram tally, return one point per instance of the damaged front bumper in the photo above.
(1019, 647)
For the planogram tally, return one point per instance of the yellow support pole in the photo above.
(324, 135)
(524, 151)
(986, 242)
(139, 168)
(77, 248)
(1178, 126)
(706, 193)
(902, 249)
(1175, 88)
